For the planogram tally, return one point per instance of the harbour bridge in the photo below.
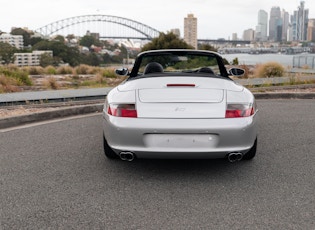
(108, 26)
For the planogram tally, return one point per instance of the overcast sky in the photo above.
(216, 18)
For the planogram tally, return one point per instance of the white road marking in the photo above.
(46, 122)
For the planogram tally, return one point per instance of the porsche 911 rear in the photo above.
(173, 117)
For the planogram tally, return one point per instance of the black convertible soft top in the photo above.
(175, 55)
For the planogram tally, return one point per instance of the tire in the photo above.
(252, 152)
(109, 153)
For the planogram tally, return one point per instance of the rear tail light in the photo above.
(181, 85)
(239, 110)
(122, 110)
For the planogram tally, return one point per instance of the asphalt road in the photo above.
(55, 176)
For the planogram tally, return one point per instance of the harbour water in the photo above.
(285, 60)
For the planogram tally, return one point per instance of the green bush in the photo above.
(235, 61)
(269, 69)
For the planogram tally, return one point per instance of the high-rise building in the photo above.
(311, 30)
(275, 24)
(234, 36)
(190, 30)
(249, 35)
(262, 26)
(299, 23)
(176, 31)
(285, 24)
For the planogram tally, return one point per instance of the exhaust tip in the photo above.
(235, 156)
(127, 156)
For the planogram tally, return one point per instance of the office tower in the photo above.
(234, 36)
(285, 24)
(262, 26)
(299, 23)
(311, 30)
(275, 24)
(249, 35)
(190, 30)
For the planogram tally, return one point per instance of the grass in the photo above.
(13, 78)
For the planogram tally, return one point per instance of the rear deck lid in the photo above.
(181, 102)
(180, 95)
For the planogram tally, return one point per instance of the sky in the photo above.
(216, 18)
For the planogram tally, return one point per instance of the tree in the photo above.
(166, 41)
(7, 53)
(67, 54)
(46, 60)
(26, 35)
(59, 38)
(89, 40)
(35, 40)
(91, 59)
(207, 47)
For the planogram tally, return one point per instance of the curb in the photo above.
(48, 115)
(284, 95)
(86, 109)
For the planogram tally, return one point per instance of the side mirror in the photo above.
(236, 72)
(122, 72)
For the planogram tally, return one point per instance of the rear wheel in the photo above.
(252, 152)
(109, 153)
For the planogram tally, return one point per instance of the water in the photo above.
(253, 59)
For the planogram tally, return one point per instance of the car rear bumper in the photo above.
(180, 138)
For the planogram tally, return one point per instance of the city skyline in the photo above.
(216, 18)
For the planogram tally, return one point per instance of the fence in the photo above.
(304, 61)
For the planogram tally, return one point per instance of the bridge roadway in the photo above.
(55, 176)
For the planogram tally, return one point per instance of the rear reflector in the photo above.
(239, 110)
(122, 110)
(180, 85)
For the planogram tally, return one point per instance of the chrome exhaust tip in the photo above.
(127, 156)
(235, 156)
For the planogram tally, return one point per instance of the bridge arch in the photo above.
(144, 30)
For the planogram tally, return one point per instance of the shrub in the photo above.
(19, 75)
(51, 83)
(235, 61)
(108, 73)
(50, 70)
(83, 69)
(8, 85)
(269, 69)
(65, 70)
(34, 70)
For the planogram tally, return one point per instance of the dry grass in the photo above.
(8, 85)
(269, 69)
(51, 83)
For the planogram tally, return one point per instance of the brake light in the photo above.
(122, 110)
(239, 110)
(181, 85)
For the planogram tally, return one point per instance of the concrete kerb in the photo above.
(49, 115)
(272, 95)
(88, 109)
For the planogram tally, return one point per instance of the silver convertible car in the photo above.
(180, 104)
